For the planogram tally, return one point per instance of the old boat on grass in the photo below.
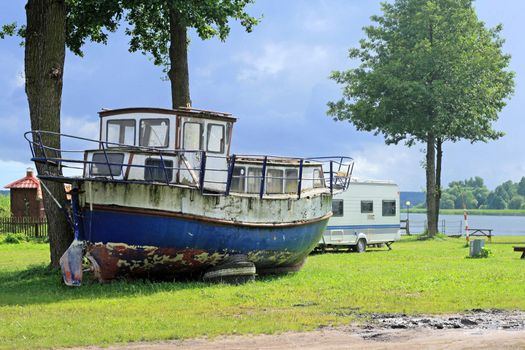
(160, 195)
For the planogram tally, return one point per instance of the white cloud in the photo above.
(283, 59)
(20, 80)
(398, 163)
(11, 170)
(84, 126)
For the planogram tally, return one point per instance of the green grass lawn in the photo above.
(37, 310)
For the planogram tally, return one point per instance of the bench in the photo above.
(520, 249)
(487, 232)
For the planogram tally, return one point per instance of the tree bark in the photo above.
(178, 73)
(431, 185)
(44, 68)
(439, 158)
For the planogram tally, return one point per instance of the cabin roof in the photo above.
(372, 181)
(29, 181)
(187, 111)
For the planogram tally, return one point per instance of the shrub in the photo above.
(14, 238)
(484, 253)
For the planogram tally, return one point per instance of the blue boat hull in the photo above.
(127, 241)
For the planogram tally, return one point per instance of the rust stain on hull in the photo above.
(113, 260)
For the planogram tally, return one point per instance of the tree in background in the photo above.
(473, 194)
(159, 28)
(45, 49)
(430, 72)
(50, 25)
(521, 187)
(516, 202)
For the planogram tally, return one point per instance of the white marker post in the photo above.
(465, 216)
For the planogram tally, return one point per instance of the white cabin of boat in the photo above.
(168, 146)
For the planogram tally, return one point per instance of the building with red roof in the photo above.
(26, 197)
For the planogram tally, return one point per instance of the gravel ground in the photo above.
(477, 329)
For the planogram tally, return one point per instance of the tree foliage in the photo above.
(149, 22)
(426, 66)
(473, 194)
(429, 71)
(158, 28)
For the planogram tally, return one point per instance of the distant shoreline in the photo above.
(494, 212)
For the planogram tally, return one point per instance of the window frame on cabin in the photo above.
(141, 136)
(184, 135)
(122, 133)
(222, 140)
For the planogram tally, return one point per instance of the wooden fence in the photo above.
(28, 226)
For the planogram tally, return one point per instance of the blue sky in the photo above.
(275, 80)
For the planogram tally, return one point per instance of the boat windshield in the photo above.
(154, 132)
(121, 131)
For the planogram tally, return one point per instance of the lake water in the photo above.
(454, 224)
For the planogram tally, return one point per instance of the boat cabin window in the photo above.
(154, 171)
(367, 207)
(254, 180)
(291, 183)
(238, 179)
(192, 136)
(121, 131)
(154, 132)
(318, 178)
(337, 207)
(389, 208)
(274, 181)
(215, 138)
(101, 167)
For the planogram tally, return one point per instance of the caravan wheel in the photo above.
(361, 246)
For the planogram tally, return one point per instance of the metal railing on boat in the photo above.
(336, 170)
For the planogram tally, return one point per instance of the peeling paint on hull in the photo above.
(151, 241)
(115, 260)
(146, 245)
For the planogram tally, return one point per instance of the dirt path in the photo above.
(480, 329)
(346, 338)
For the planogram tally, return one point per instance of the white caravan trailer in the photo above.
(366, 214)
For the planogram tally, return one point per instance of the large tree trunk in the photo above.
(178, 73)
(431, 185)
(439, 158)
(44, 68)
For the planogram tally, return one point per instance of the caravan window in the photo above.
(154, 132)
(192, 136)
(389, 208)
(215, 138)
(238, 179)
(367, 207)
(337, 207)
(121, 131)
